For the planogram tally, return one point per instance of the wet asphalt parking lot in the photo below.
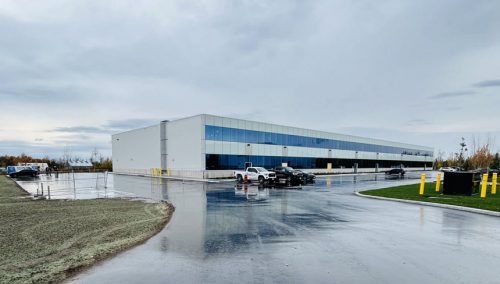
(220, 233)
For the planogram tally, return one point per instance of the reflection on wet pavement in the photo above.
(317, 233)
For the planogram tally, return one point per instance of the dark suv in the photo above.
(289, 175)
(309, 177)
(395, 172)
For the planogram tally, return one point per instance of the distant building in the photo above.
(207, 146)
(80, 164)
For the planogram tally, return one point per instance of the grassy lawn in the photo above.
(410, 192)
(49, 240)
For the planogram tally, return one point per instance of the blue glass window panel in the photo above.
(226, 134)
(217, 133)
(209, 133)
(330, 144)
(274, 138)
(241, 135)
(308, 142)
(268, 138)
(251, 136)
(279, 139)
(282, 139)
(233, 137)
(292, 140)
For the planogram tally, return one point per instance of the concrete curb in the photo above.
(447, 206)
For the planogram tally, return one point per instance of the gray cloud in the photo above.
(109, 128)
(81, 129)
(100, 68)
(488, 83)
(127, 124)
(77, 147)
(453, 94)
(417, 121)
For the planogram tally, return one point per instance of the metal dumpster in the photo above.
(460, 183)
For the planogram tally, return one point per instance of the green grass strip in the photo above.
(411, 192)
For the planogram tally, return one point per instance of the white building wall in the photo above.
(137, 151)
(186, 144)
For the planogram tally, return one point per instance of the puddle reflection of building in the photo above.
(251, 192)
(422, 217)
(284, 204)
(155, 189)
(187, 226)
(257, 193)
(454, 223)
(329, 181)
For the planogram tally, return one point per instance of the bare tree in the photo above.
(439, 162)
(66, 157)
(94, 156)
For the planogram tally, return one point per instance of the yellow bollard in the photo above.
(438, 182)
(152, 172)
(168, 172)
(494, 184)
(422, 184)
(161, 171)
(484, 186)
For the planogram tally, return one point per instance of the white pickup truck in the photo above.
(255, 174)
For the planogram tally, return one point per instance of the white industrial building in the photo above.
(208, 146)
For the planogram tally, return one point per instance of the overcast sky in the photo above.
(420, 72)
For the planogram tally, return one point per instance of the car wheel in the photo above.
(261, 180)
(239, 178)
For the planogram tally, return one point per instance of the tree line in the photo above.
(98, 162)
(480, 156)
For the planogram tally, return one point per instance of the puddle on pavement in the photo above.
(275, 232)
(108, 185)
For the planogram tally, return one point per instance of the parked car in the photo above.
(310, 177)
(488, 171)
(289, 175)
(447, 169)
(17, 171)
(255, 174)
(393, 172)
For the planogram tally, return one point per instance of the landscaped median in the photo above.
(411, 192)
(49, 240)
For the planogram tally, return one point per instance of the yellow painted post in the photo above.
(422, 184)
(494, 184)
(152, 172)
(168, 172)
(438, 182)
(484, 186)
(161, 171)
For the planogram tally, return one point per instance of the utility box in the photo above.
(459, 183)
